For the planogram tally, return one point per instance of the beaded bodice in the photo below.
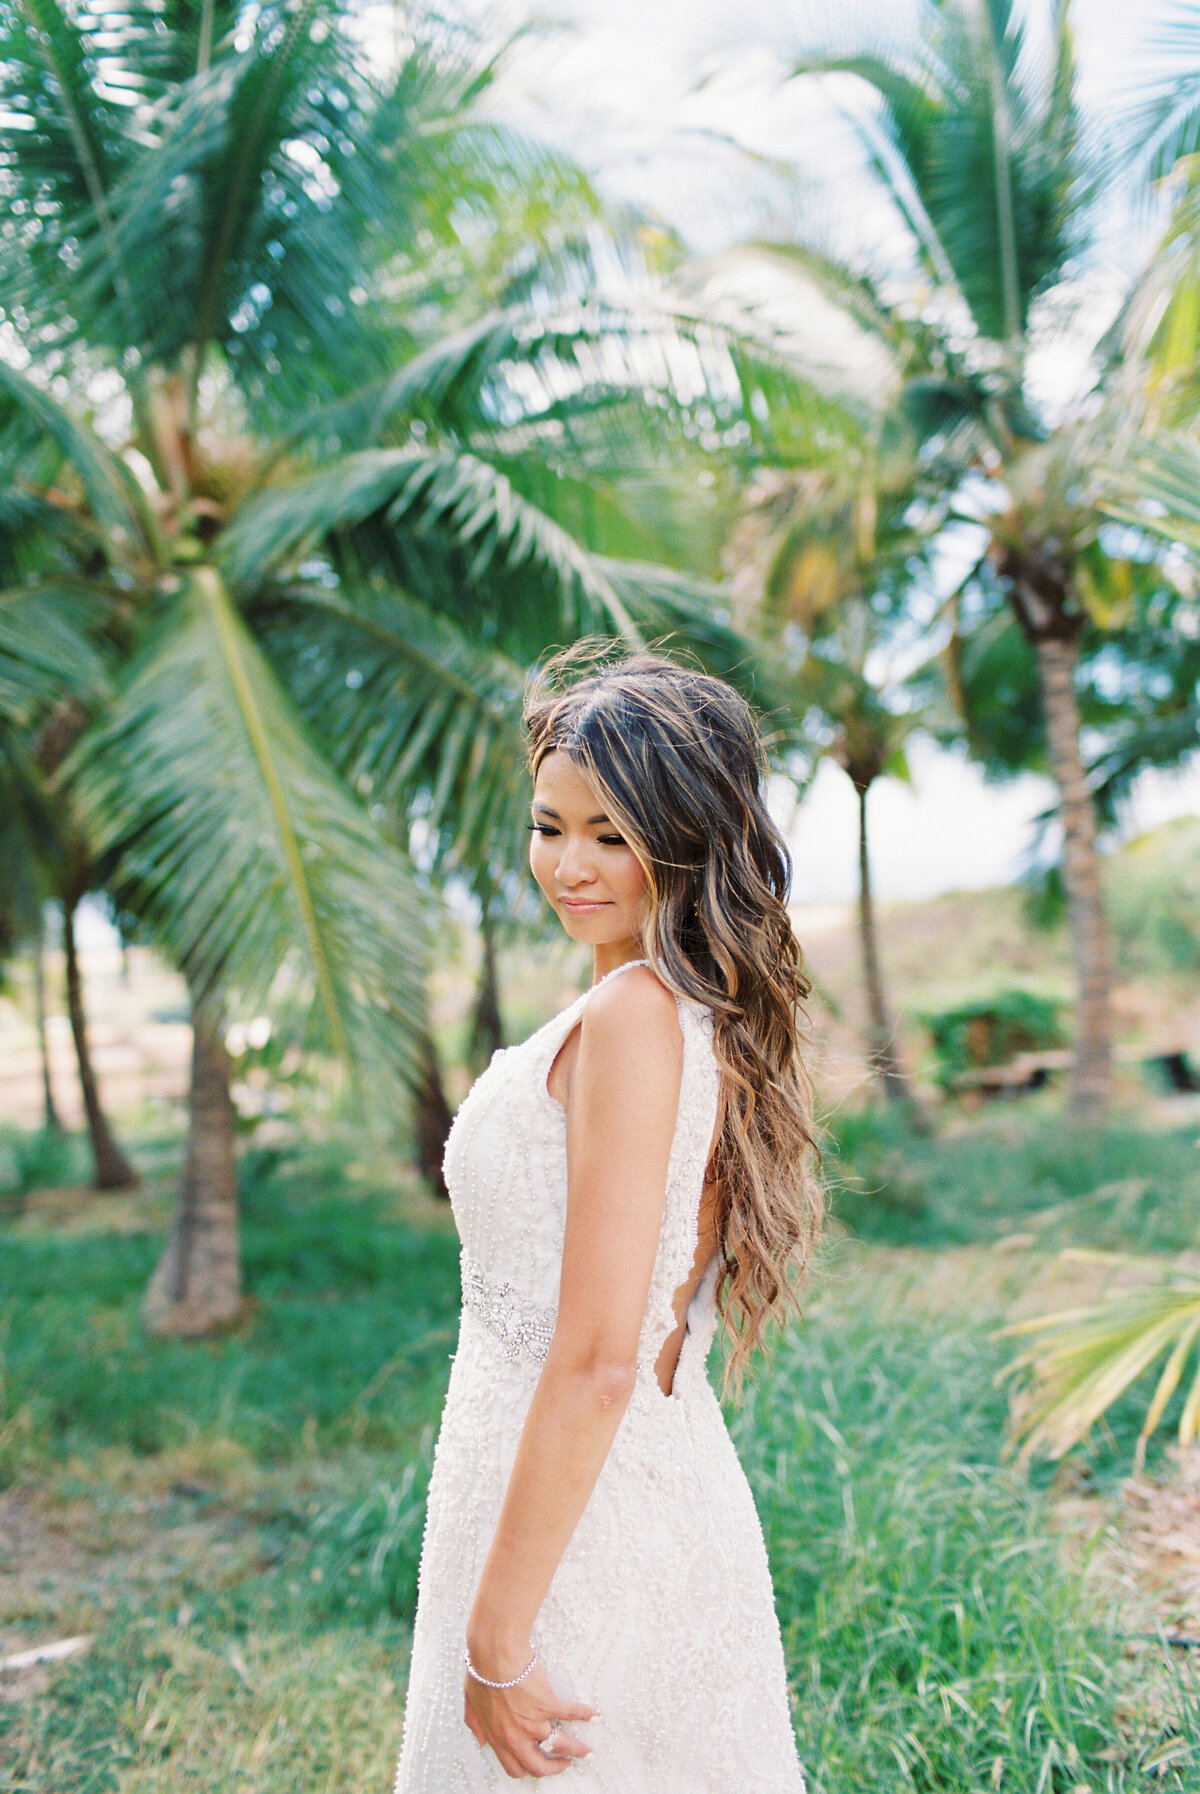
(506, 1170)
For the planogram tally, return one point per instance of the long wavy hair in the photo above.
(677, 758)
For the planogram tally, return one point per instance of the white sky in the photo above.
(946, 831)
(647, 95)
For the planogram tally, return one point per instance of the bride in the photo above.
(594, 1591)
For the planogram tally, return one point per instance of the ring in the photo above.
(547, 1743)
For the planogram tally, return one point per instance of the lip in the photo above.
(582, 906)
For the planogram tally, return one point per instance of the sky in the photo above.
(642, 92)
(651, 96)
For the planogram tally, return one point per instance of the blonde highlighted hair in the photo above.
(678, 761)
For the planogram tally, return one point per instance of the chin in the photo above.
(583, 928)
(593, 931)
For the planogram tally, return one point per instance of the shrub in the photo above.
(992, 1030)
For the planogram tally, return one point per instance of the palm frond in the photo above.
(975, 141)
(71, 134)
(435, 521)
(256, 188)
(853, 291)
(113, 494)
(1159, 321)
(69, 126)
(1164, 119)
(1159, 489)
(1080, 1362)
(47, 650)
(248, 208)
(243, 850)
(599, 477)
(895, 137)
(1168, 740)
(516, 367)
(419, 715)
(286, 155)
(685, 615)
(443, 381)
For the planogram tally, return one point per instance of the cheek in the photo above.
(539, 858)
(633, 881)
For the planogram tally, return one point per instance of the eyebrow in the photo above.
(547, 811)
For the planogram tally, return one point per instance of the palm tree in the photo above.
(43, 853)
(1081, 1361)
(25, 828)
(296, 519)
(973, 135)
(822, 560)
(52, 1121)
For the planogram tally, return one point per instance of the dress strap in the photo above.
(560, 1026)
(689, 1006)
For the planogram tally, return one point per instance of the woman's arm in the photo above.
(620, 1122)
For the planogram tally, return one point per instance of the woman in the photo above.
(594, 1590)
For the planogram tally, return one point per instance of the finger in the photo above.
(536, 1762)
(473, 1725)
(576, 1710)
(566, 1746)
(510, 1764)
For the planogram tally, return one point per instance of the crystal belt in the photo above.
(522, 1328)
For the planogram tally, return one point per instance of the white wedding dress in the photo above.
(661, 1614)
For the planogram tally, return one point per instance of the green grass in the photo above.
(1121, 1188)
(30, 1161)
(935, 1640)
(351, 1314)
(245, 1515)
(42, 1159)
(298, 1451)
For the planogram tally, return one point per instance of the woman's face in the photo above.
(591, 879)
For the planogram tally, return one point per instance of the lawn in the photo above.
(237, 1523)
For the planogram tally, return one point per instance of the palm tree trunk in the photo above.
(113, 1170)
(197, 1284)
(1091, 1067)
(880, 1027)
(51, 1119)
(431, 1118)
(487, 1023)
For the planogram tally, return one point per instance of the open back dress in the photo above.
(661, 1613)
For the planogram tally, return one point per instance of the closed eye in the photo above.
(546, 828)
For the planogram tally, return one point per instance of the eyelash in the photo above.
(545, 828)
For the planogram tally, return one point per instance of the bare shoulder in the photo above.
(635, 1015)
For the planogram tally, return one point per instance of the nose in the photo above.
(574, 865)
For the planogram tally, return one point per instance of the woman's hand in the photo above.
(516, 1721)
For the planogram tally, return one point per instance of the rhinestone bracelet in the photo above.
(476, 1677)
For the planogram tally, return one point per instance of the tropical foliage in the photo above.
(972, 131)
(295, 456)
(316, 430)
(823, 562)
(1083, 1359)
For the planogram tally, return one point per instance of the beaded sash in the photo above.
(522, 1329)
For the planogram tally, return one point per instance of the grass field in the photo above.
(1012, 1171)
(238, 1522)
